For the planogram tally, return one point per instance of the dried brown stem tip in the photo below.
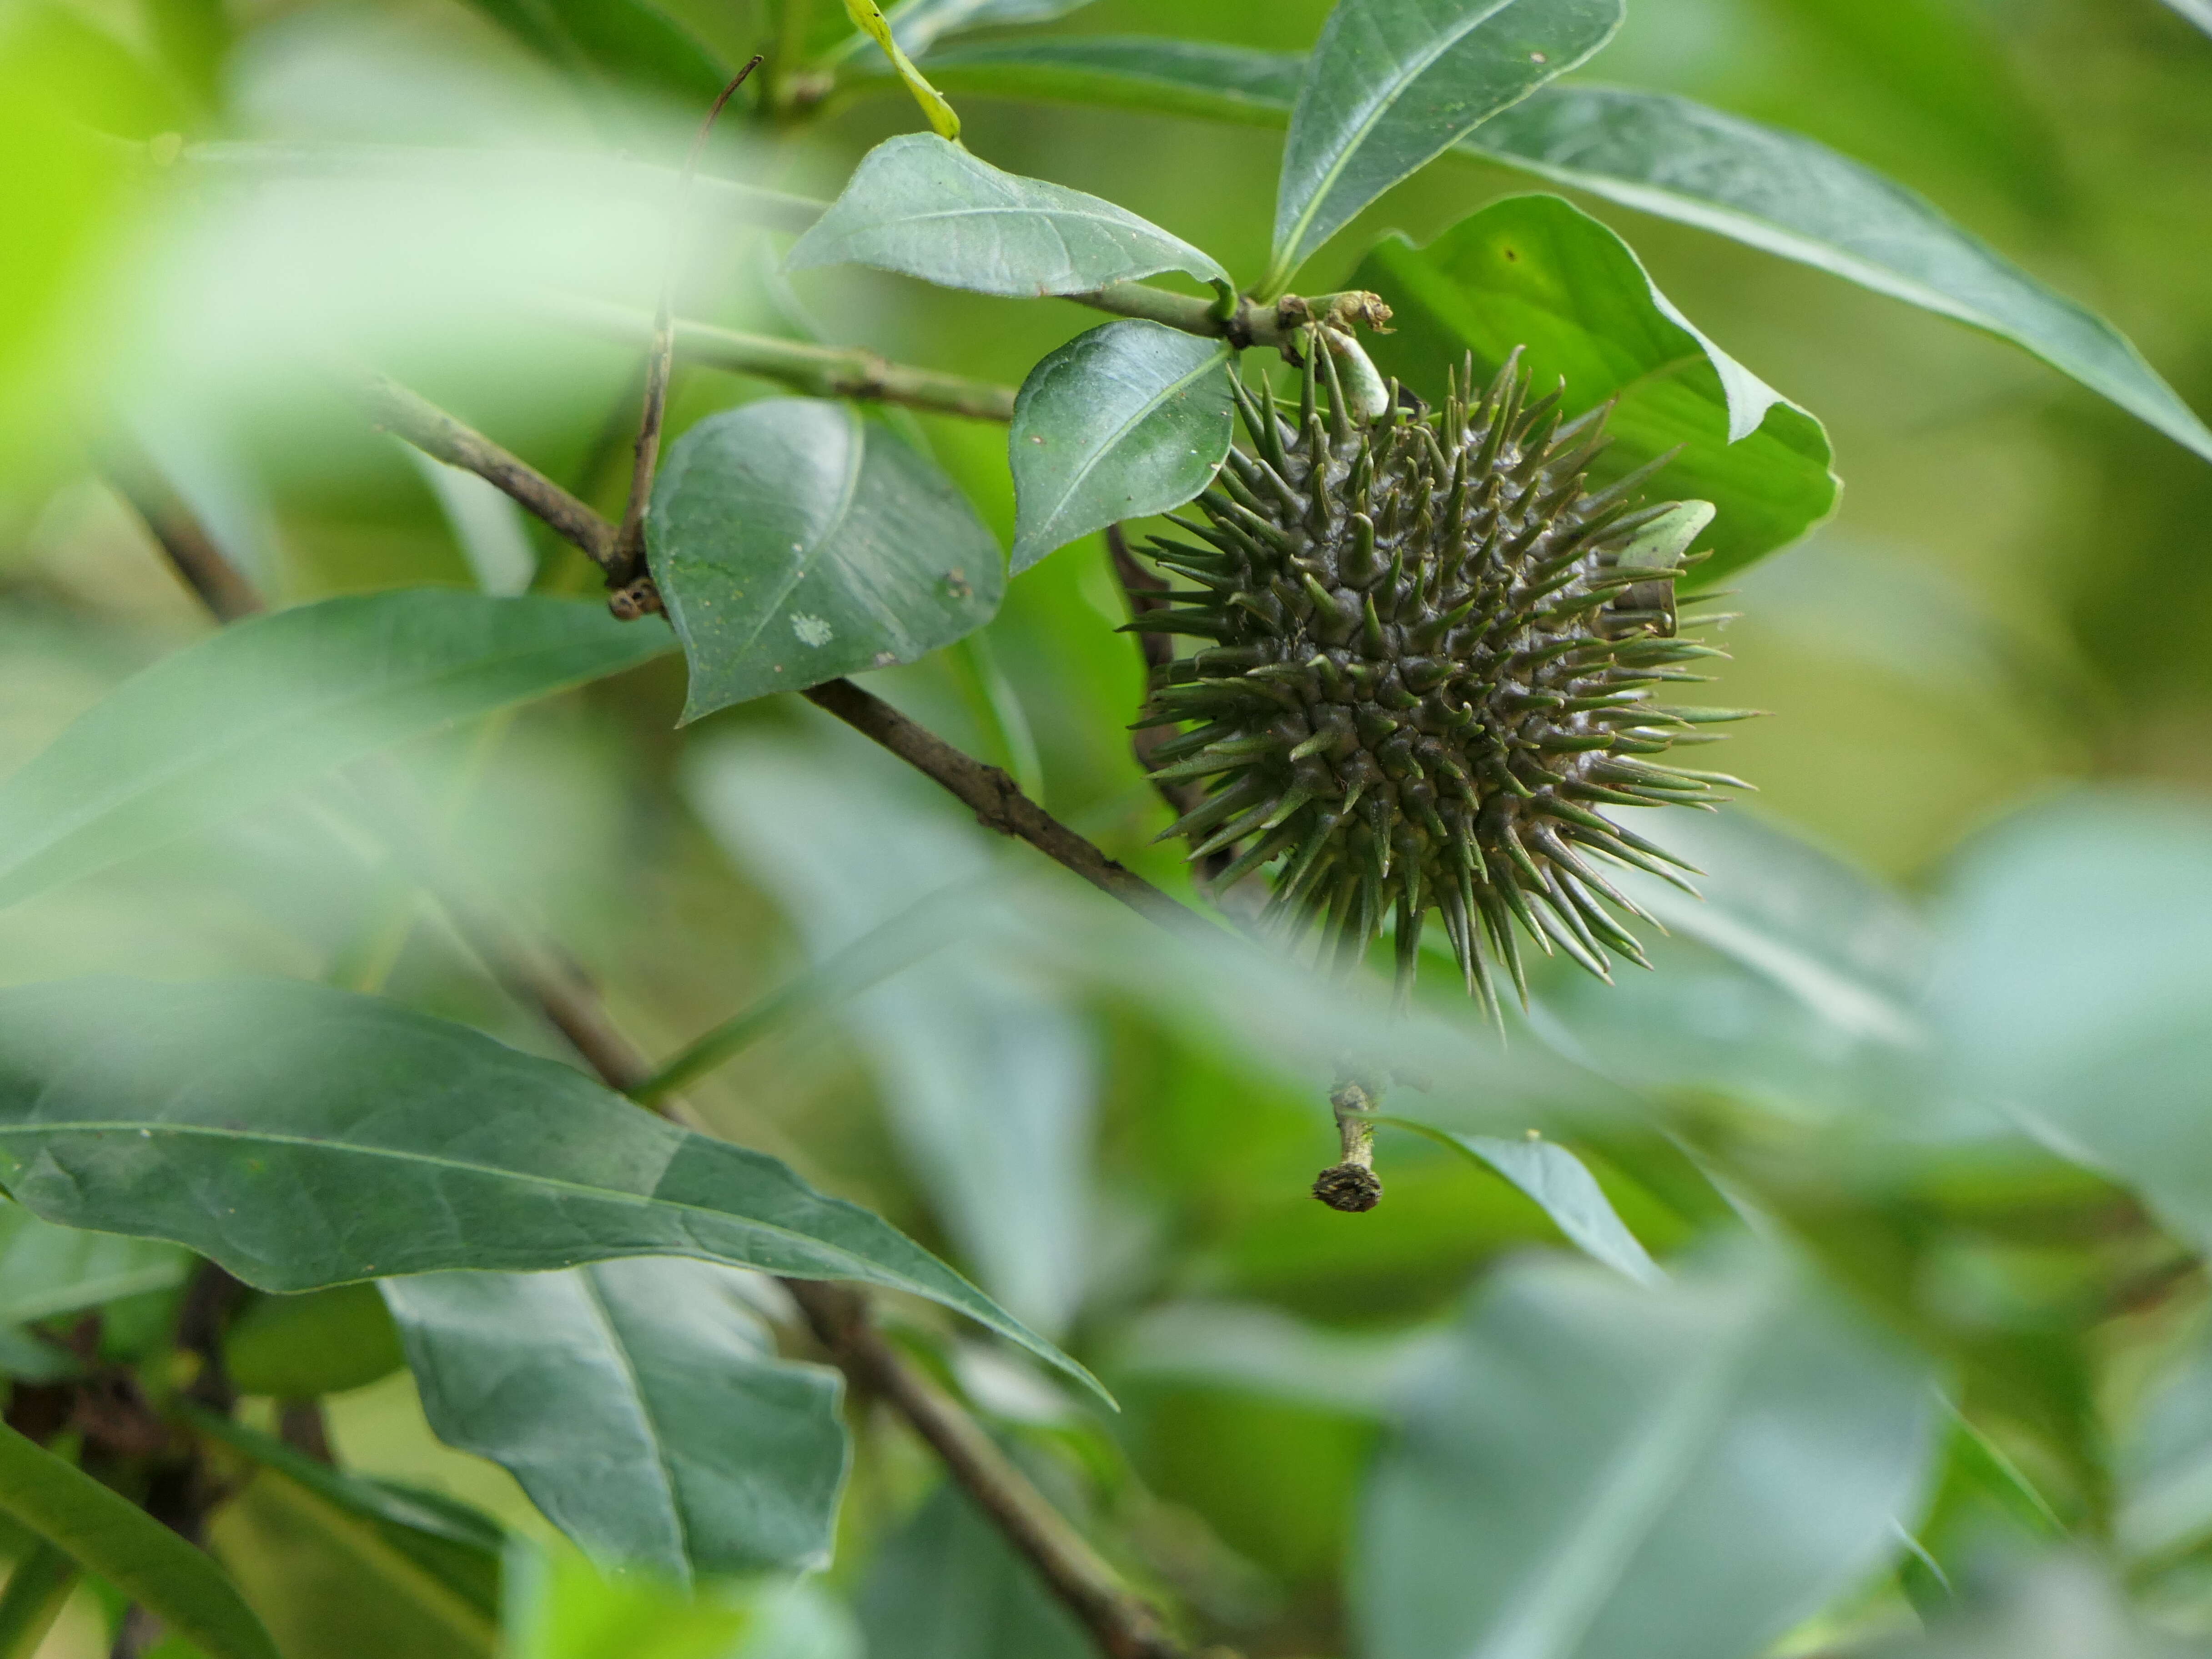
(1352, 1186)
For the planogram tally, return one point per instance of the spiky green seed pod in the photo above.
(1430, 649)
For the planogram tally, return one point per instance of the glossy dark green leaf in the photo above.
(793, 542)
(919, 24)
(437, 1560)
(642, 1406)
(1537, 272)
(265, 705)
(1560, 1184)
(105, 1532)
(923, 206)
(1392, 84)
(1595, 1470)
(1661, 154)
(1130, 418)
(304, 1137)
(631, 43)
(300, 1347)
(947, 1585)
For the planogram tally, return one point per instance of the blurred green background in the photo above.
(2016, 597)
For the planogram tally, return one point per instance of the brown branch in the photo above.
(630, 539)
(998, 803)
(192, 552)
(825, 371)
(407, 415)
(1123, 1624)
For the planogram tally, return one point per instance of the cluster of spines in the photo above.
(1428, 668)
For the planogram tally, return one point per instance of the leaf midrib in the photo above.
(654, 1437)
(1378, 106)
(610, 1194)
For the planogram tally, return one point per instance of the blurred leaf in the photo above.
(431, 1565)
(1661, 154)
(793, 542)
(46, 1270)
(1560, 1184)
(104, 83)
(642, 1406)
(562, 1607)
(331, 1584)
(946, 1585)
(1253, 1349)
(304, 1137)
(1939, 63)
(919, 24)
(1392, 84)
(1537, 272)
(1598, 1470)
(301, 1348)
(2065, 1607)
(1126, 420)
(1181, 77)
(925, 207)
(105, 1532)
(987, 1077)
(40, 1583)
(2165, 1467)
(630, 43)
(2198, 12)
(238, 718)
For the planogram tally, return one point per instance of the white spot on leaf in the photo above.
(811, 630)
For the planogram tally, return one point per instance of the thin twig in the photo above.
(192, 552)
(825, 371)
(1281, 324)
(630, 541)
(998, 803)
(407, 415)
(1124, 1626)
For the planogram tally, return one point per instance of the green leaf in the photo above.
(919, 24)
(2198, 12)
(304, 1137)
(40, 1584)
(1182, 77)
(2062, 1606)
(642, 1406)
(868, 18)
(1130, 418)
(562, 1608)
(1661, 154)
(1792, 196)
(792, 542)
(1594, 1470)
(300, 1347)
(46, 1270)
(1393, 84)
(947, 1585)
(631, 43)
(987, 1075)
(1535, 272)
(105, 1533)
(263, 706)
(1561, 1186)
(924, 207)
(432, 1564)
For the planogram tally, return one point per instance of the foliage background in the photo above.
(2014, 602)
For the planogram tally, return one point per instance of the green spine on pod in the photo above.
(1428, 661)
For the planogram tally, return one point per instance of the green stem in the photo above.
(37, 1590)
(1275, 323)
(825, 371)
(905, 940)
